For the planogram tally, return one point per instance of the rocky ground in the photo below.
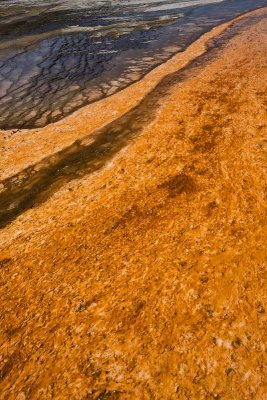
(146, 279)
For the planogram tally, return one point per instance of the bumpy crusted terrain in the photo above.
(146, 278)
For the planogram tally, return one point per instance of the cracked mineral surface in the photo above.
(56, 57)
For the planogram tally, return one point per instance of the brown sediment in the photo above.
(145, 280)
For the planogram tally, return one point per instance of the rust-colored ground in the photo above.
(146, 280)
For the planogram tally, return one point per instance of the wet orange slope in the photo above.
(146, 280)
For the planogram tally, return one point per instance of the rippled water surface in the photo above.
(56, 56)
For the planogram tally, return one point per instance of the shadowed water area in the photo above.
(56, 56)
(36, 183)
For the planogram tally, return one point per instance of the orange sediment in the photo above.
(145, 280)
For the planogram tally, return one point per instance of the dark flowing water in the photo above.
(56, 56)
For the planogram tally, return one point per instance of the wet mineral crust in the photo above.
(146, 279)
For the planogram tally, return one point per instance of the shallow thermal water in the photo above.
(56, 56)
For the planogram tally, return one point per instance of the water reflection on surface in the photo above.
(58, 56)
